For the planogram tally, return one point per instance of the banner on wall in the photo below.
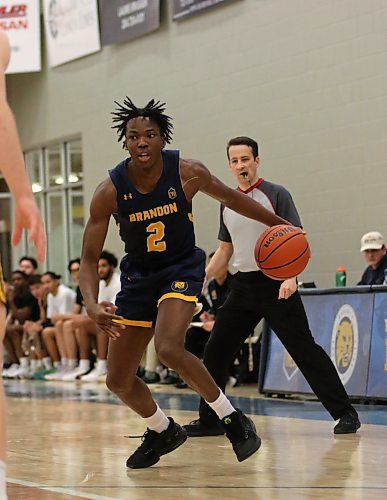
(123, 20)
(185, 8)
(341, 324)
(72, 29)
(21, 22)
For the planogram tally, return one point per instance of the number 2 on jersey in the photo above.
(154, 240)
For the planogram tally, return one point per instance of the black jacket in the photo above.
(374, 276)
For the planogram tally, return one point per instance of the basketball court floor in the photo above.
(72, 440)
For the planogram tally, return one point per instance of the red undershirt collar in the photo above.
(259, 181)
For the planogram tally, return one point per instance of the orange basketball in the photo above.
(282, 252)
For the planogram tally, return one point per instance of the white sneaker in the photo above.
(74, 374)
(14, 368)
(8, 371)
(22, 372)
(57, 374)
(93, 376)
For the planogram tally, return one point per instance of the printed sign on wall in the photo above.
(71, 28)
(123, 20)
(185, 8)
(21, 22)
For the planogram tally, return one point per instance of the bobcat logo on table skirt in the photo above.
(345, 342)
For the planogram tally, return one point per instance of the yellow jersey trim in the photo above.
(132, 322)
(174, 295)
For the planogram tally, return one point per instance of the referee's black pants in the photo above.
(253, 296)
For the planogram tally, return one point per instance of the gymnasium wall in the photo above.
(307, 78)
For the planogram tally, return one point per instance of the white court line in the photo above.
(58, 489)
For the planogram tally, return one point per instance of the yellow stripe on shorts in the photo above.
(174, 295)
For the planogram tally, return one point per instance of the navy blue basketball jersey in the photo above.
(156, 227)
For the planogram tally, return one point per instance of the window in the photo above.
(56, 175)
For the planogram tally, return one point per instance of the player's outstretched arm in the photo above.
(102, 206)
(196, 176)
(27, 215)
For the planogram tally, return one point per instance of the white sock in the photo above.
(34, 364)
(221, 406)
(84, 365)
(47, 363)
(158, 421)
(72, 363)
(3, 492)
(57, 365)
(64, 363)
(24, 362)
(102, 365)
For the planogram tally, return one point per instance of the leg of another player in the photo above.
(2, 410)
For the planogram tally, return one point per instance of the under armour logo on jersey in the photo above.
(172, 193)
(128, 196)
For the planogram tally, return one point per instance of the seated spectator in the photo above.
(22, 307)
(374, 250)
(28, 265)
(60, 300)
(40, 361)
(87, 332)
(65, 331)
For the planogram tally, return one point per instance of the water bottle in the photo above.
(385, 277)
(341, 276)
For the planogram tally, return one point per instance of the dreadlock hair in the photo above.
(153, 110)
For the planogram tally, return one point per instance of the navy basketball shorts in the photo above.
(142, 290)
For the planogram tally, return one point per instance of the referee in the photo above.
(254, 296)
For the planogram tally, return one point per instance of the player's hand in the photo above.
(27, 216)
(287, 288)
(103, 315)
(206, 316)
(208, 326)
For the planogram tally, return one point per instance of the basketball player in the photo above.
(162, 274)
(254, 296)
(27, 215)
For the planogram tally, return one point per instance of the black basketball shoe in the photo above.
(197, 428)
(349, 423)
(241, 431)
(155, 444)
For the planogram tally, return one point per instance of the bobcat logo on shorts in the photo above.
(172, 193)
(345, 342)
(179, 286)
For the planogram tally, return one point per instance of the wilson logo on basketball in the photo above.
(282, 252)
(279, 234)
